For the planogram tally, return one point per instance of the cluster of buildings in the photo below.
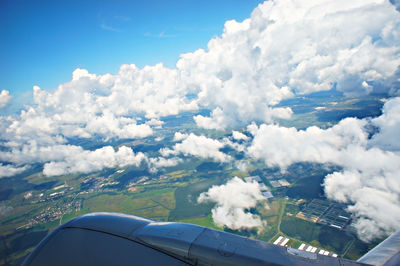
(326, 213)
(54, 212)
(283, 241)
(49, 196)
(97, 184)
(59, 203)
(320, 251)
(142, 180)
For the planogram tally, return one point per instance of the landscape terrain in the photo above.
(276, 120)
(32, 205)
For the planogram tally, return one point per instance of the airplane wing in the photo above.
(120, 239)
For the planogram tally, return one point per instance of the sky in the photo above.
(44, 41)
(238, 69)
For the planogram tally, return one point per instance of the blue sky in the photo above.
(42, 42)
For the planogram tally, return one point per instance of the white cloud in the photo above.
(217, 120)
(282, 146)
(285, 48)
(294, 47)
(154, 90)
(199, 146)
(396, 3)
(389, 126)
(10, 170)
(158, 139)
(5, 98)
(88, 161)
(369, 180)
(178, 136)
(159, 162)
(237, 146)
(34, 152)
(239, 136)
(90, 106)
(233, 200)
(108, 125)
(155, 122)
(60, 159)
(375, 205)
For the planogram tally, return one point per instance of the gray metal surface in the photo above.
(119, 239)
(386, 253)
(227, 249)
(98, 239)
(162, 235)
(76, 246)
(113, 223)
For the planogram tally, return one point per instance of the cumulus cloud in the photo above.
(126, 106)
(239, 136)
(234, 144)
(376, 207)
(9, 170)
(83, 161)
(233, 201)
(294, 47)
(281, 146)
(178, 136)
(199, 146)
(5, 98)
(34, 152)
(108, 125)
(63, 159)
(389, 126)
(285, 48)
(396, 3)
(75, 110)
(159, 162)
(371, 166)
(155, 91)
